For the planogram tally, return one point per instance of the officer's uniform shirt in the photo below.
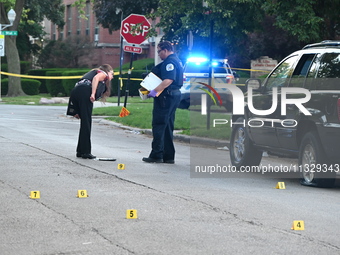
(172, 69)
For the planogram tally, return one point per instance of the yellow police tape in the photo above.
(78, 77)
(43, 77)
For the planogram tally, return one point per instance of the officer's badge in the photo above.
(170, 67)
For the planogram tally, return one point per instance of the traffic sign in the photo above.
(133, 49)
(135, 28)
(9, 32)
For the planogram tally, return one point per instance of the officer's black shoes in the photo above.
(78, 155)
(88, 155)
(153, 160)
(169, 161)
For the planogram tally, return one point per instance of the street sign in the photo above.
(133, 49)
(135, 28)
(2, 45)
(9, 32)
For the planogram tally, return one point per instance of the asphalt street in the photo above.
(177, 212)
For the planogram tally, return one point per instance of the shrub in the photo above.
(25, 66)
(55, 86)
(29, 86)
(68, 84)
(134, 85)
(42, 72)
(142, 64)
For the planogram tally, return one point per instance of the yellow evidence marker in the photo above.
(121, 166)
(131, 214)
(35, 194)
(280, 185)
(82, 193)
(298, 225)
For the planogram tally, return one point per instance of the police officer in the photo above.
(165, 105)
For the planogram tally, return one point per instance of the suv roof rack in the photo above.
(327, 43)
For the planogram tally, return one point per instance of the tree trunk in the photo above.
(11, 51)
(13, 61)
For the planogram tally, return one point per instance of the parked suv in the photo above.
(196, 70)
(314, 139)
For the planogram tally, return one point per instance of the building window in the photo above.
(53, 32)
(78, 22)
(96, 30)
(87, 14)
(69, 19)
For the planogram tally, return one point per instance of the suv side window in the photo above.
(300, 72)
(328, 74)
(281, 75)
(310, 81)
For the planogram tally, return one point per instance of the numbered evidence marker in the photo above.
(298, 225)
(35, 194)
(131, 214)
(280, 185)
(121, 166)
(82, 193)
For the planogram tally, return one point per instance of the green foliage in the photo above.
(25, 66)
(108, 17)
(29, 86)
(67, 53)
(301, 18)
(68, 84)
(141, 115)
(134, 83)
(140, 67)
(42, 72)
(55, 86)
(142, 64)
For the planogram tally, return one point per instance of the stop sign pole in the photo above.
(134, 29)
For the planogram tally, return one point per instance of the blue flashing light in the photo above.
(197, 60)
(214, 64)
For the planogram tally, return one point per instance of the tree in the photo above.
(239, 26)
(309, 21)
(66, 53)
(231, 22)
(108, 13)
(38, 9)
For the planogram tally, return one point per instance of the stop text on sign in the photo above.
(135, 29)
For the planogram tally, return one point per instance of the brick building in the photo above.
(106, 46)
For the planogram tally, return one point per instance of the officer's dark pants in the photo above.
(163, 118)
(80, 97)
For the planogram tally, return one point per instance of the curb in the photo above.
(194, 140)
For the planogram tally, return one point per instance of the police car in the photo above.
(196, 72)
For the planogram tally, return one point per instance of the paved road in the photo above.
(177, 214)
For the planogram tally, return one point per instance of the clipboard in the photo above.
(150, 82)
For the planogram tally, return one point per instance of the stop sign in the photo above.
(134, 28)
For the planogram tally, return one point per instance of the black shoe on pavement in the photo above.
(153, 160)
(169, 161)
(88, 155)
(78, 155)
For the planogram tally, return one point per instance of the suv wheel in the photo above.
(312, 161)
(242, 150)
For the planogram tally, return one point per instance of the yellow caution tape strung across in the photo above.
(43, 77)
(78, 77)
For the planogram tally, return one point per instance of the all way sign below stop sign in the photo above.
(133, 49)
